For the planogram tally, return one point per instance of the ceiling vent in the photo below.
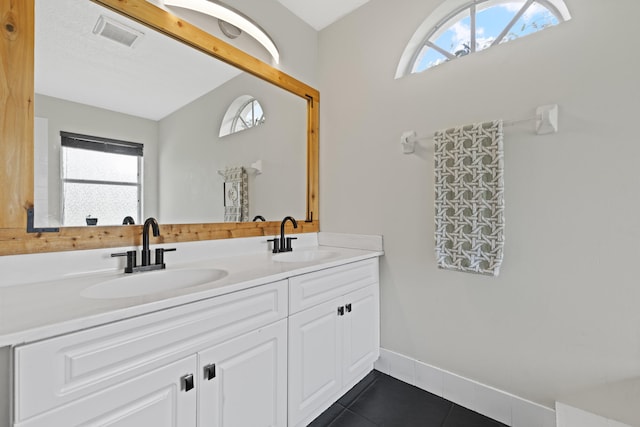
(116, 31)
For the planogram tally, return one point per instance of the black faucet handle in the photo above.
(160, 255)
(276, 244)
(288, 247)
(131, 260)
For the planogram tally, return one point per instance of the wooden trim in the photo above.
(16, 241)
(162, 21)
(16, 136)
(313, 162)
(16, 120)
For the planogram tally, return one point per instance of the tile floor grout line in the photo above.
(362, 416)
(444, 421)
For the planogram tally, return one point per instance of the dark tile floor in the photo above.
(381, 400)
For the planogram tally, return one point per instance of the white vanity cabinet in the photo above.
(333, 335)
(136, 371)
(244, 381)
(271, 355)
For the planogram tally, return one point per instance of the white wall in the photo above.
(84, 119)
(563, 314)
(191, 154)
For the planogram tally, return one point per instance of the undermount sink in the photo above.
(152, 282)
(303, 255)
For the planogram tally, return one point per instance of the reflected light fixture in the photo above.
(228, 14)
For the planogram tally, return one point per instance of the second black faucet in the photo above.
(283, 244)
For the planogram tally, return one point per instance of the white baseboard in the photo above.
(499, 405)
(569, 416)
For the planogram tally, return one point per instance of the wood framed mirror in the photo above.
(17, 136)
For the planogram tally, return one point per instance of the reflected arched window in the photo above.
(461, 27)
(244, 112)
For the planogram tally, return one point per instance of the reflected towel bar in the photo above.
(254, 169)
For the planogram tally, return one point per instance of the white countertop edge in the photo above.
(108, 316)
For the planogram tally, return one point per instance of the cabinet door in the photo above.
(315, 360)
(159, 398)
(60, 370)
(361, 339)
(244, 380)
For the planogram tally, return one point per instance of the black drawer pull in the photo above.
(187, 382)
(210, 371)
(341, 311)
(348, 306)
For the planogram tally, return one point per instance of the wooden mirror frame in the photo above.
(17, 122)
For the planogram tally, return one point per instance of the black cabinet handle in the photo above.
(341, 311)
(348, 307)
(187, 382)
(210, 371)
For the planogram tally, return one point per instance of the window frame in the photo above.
(238, 119)
(233, 115)
(104, 145)
(436, 24)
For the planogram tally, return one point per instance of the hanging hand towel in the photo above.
(470, 198)
(236, 195)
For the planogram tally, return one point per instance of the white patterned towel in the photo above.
(236, 195)
(470, 198)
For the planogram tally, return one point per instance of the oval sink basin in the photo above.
(152, 282)
(303, 256)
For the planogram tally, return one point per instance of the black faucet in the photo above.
(146, 265)
(284, 244)
(258, 217)
(146, 253)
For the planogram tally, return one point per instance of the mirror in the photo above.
(174, 103)
(17, 231)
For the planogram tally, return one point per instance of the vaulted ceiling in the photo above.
(321, 13)
(75, 64)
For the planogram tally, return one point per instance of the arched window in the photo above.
(244, 112)
(460, 27)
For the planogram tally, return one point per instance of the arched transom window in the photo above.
(460, 27)
(244, 112)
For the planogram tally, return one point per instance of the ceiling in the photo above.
(154, 78)
(321, 13)
(151, 80)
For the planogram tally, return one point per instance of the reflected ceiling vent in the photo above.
(116, 31)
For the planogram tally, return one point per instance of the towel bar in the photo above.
(546, 121)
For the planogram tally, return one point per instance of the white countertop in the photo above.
(34, 311)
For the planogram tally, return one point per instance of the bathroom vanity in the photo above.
(273, 342)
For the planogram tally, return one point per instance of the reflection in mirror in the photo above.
(244, 113)
(172, 100)
(100, 175)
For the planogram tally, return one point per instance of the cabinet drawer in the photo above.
(56, 371)
(314, 288)
(155, 399)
